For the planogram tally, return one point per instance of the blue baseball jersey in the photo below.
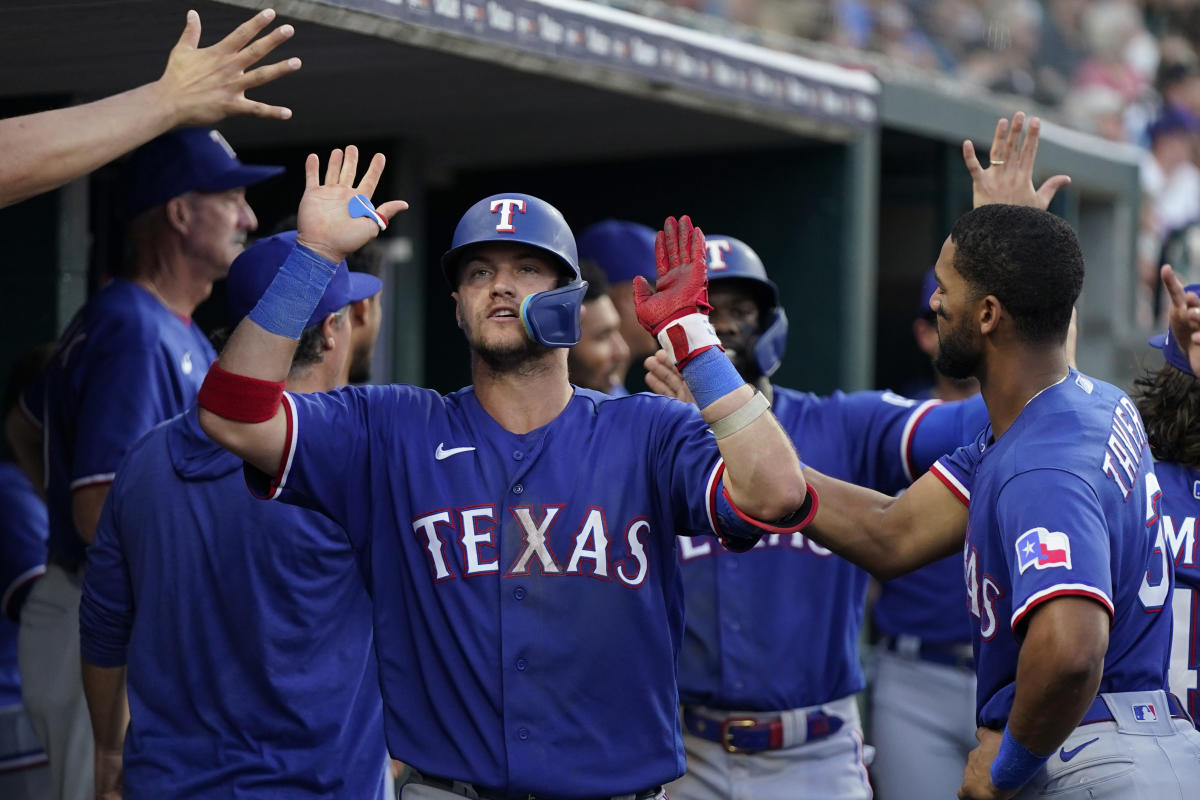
(124, 364)
(245, 626)
(22, 561)
(528, 606)
(1066, 502)
(777, 627)
(1180, 509)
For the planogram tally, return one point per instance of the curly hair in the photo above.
(1029, 259)
(1169, 401)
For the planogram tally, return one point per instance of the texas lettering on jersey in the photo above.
(591, 546)
(1180, 507)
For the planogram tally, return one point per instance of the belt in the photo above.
(949, 654)
(750, 735)
(482, 793)
(1099, 711)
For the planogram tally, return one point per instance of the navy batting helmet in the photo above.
(730, 259)
(551, 318)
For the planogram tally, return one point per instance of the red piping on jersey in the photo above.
(910, 433)
(943, 475)
(1094, 594)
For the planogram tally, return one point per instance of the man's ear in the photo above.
(329, 327)
(358, 312)
(990, 311)
(179, 214)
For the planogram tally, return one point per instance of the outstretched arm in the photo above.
(1009, 178)
(762, 472)
(254, 364)
(40, 152)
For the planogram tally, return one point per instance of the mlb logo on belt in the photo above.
(1144, 713)
(1042, 549)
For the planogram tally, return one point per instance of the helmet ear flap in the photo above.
(769, 349)
(551, 318)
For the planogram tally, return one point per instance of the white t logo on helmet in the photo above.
(717, 248)
(506, 206)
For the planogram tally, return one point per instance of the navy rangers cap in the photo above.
(622, 249)
(253, 271)
(187, 160)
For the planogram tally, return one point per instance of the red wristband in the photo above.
(805, 514)
(239, 397)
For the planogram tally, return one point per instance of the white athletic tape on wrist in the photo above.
(731, 423)
(684, 336)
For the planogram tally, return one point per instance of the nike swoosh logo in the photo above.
(1067, 755)
(442, 453)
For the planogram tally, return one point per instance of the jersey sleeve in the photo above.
(106, 606)
(125, 395)
(686, 458)
(957, 471)
(1055, 540)
(880, 427)
(326, 458)
(942, 429)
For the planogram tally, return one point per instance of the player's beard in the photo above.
(509, 357)
(958, 353)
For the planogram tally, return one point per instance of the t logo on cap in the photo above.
(717, 248)
(506, 206)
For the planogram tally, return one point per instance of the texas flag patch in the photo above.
(1041, 548)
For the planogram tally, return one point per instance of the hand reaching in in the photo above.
(323, 221)
(1009, 178)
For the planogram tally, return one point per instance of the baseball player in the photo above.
(761, 720)
(276, 678)
(200, 86)
(601, 358)
(24, 774)
(517, 535)
(1056, 510)
(923, 684)
(1167, 400)
(130, 359)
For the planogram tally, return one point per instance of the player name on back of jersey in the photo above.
(474, 530)
(1123, 452)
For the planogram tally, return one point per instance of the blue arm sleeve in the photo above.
(944, 429)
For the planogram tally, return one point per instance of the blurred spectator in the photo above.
(1061, 50)
(1114, 34)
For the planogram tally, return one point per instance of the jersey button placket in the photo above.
(519, 593)
(522, 664)
(523, 734)
(518, 489)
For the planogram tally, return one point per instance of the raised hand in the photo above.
(682, 286)
(1184, 318)
(204, 85)
(323, 222)
(1009, 178)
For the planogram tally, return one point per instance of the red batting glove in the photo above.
(677, 311)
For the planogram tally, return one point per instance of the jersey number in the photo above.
(1185, 661)
(981, 596)
(1154, 595)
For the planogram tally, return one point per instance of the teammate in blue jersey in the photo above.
(1056, 510)
(1169, 399)
(277, 677)
(517, 535)
(923, 682)
(130, 359)
(761, 720)
(24, 774)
